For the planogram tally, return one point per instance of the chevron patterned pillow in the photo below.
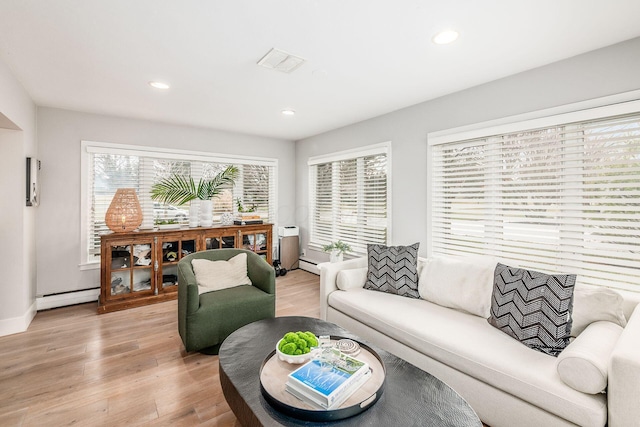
(533, 307)
(393, 269)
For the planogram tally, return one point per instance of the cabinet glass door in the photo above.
(220, 242)
(187, 247)
(172, 252)
(131, 270)
(141, 279)
(120, 283)
(120, 270)
(142, 268)
(256, 242)
(120, 257)
(169, 276)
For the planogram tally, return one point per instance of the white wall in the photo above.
(603, 72)
(60, 133)
(17, 221)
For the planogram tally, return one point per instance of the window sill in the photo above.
(93, 265)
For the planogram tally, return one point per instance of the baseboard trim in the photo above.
(309, 266)
(18, 324)
(67, 298)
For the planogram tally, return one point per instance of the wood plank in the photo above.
(74, 366)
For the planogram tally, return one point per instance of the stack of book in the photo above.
(327, 385)
(246, 218)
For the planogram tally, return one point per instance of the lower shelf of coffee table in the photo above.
(273, 378)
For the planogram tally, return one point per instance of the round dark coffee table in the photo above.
(411, 396)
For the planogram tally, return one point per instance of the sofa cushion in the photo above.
(351, 278)
(393, 269)
(583, 364)
(218, 275)
(591, 304)
(533, 307)
(469, 344)
(462, 283)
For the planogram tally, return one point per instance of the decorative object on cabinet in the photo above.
(179, 189)
(206, 213)
(246, 214)
(226, 218)
(167, 224)
(245, 209)
(124, 213)
(141, 267)
(194, 213)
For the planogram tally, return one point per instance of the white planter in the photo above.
(194, 213)
(335, 256)
(206, 213)
(168, 226)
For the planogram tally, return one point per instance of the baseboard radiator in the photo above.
(67, 298)
(310, 266)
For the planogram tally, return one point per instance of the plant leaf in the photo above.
(176, 190)
(208, 188)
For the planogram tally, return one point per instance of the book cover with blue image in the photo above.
(327, 381)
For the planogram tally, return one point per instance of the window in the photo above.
(349, 198)
(107, 167)
(563, 197)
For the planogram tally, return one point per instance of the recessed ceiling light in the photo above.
(445, 37)
(159, 85)
(288, 112)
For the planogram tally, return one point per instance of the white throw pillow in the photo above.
(461, 283)
(217, 275)
(352, 278)
(591, 304)
(583, 364)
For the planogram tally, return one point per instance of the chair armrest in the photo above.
(329, 273)
(262, 275)
(188, 297)
(624, 376)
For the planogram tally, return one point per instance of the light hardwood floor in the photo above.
(74, 367)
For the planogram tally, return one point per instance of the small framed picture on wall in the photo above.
(33, 185)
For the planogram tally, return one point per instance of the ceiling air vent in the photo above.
(281, 61)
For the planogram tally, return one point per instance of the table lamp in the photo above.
(124, 213)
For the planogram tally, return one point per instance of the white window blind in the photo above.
(562, 198)
(110, 166)
(349, 198)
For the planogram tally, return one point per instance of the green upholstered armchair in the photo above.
(204, 321)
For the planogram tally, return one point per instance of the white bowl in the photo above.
(295, 360)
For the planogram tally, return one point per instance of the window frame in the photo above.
(90, 147)
(351, 154)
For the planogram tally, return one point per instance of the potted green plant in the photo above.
(179, 189)
(336, 250)
(245, 209)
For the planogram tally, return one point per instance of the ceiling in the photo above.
(363, 57)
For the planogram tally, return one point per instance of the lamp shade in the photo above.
(124, 213)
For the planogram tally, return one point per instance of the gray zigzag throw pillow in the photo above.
(533, 307)
(393, 269)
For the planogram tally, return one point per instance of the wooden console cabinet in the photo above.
(140, 267)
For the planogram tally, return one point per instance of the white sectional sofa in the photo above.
(507, 383)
